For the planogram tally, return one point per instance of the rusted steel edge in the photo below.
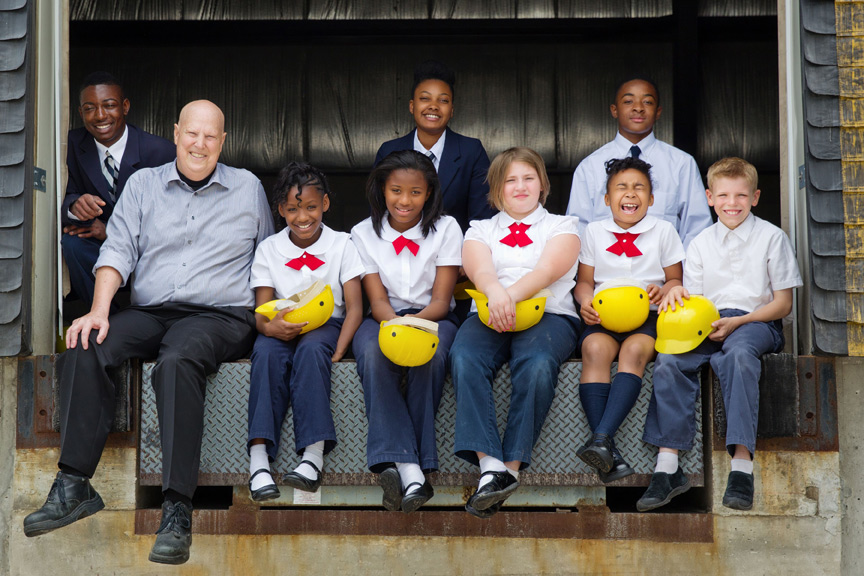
(591, 524)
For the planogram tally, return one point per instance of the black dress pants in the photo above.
(188, 341)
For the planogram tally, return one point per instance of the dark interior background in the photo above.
(328, 82)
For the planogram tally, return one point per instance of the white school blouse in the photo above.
(741, 268)
(658, 241)
(409, 278)
(335, 249)
(513, 262)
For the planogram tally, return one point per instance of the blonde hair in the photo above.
(497, 174)
(733, 167)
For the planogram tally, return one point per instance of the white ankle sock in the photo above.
(410, 473)
(490, 464)
(314, 453)
(666, 462)
(258, 459)
(514, 473)
(742, 465)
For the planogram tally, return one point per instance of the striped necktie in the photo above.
(112, 174)
(431, 156)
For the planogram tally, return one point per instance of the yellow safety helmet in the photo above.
(459, 291)
(313, 305)
(408, 341)
(686, 327)
(528, 312)
(622, 304)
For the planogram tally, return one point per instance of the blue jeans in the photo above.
(401, 426)
(296, 372)
(535, 356)
(671, 419)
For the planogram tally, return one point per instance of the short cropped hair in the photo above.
(733, 167)
(434, 70)
(99, 78)
(500, 166)
(643, 79)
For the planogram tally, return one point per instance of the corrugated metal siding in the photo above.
(13, 175)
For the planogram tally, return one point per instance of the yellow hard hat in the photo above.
(459, 291)
(408, 341)
(686, 327)
(528, 312)
(313, 305)
(622, 304)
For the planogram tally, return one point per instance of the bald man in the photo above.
(188, 231)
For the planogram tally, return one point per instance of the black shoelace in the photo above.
(178, 517)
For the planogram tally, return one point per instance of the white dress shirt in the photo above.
(437, 149)
(335, 249)
(741, 268)
(409, 278)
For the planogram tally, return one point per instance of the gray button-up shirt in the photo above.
(184, 245)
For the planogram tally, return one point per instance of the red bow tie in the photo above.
(307, 260)
(625, 245)
(401, 243)
(517, 236)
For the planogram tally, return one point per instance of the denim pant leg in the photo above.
(268, 389)
(309, 386)
(477, 354)
(738, 367)
(391, 432)
(536, 357)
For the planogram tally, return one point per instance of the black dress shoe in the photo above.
(503, 484)
(413, 500)
(391, 483)
(71, 498)
(484, 514)
(662, 489)
(598, 453)
(266, 492)
(739, 491)
(620, 468)
(174, 536)
(300, 482)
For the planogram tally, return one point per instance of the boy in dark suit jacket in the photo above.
(461, 161)
(100, 157)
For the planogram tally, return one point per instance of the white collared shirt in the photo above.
(408, 278)
(437, 149)
(117, 149)
(335, 249)
(741, 268)
(657, 240)
(514, 262)
(679, 196)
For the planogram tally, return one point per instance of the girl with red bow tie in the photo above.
(510, 257)
(411, 253)
(287, 367)
(629, 245)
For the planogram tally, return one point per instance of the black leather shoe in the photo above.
(503, 484)
(598, 453)
(71, 498)
(739, 491)
(174, 536)
(620, 468)
(266, 492)
(484, 514)
(413, 500)
(662, 489)
(391, 482)
(300, 482)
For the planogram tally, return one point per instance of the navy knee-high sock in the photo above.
(593, 396)
(622, 397)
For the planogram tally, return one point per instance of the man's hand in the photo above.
(87, 207)
(95, 230)
(82, 327)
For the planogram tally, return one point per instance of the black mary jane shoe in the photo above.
(502, 485)
(391, 483)
(598, 453)
(620, 468)
(266, 492)
(484, 514)
(300, 482)
(413, 500)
